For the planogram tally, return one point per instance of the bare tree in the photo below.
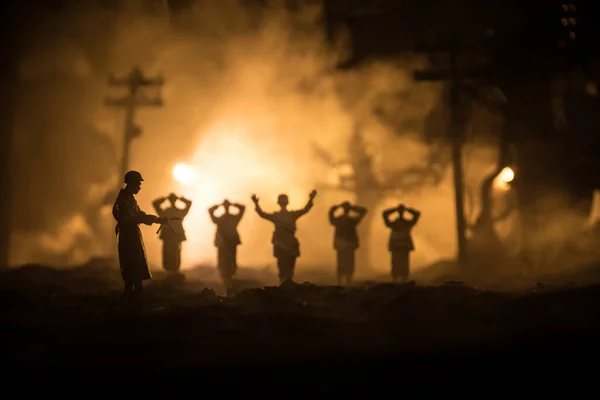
(370, 190)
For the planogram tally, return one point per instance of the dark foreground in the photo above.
(376, 336)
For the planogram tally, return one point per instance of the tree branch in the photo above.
(339, 188)
(323, 155)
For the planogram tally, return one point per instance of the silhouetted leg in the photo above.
(178, 257)
(351, 266)
(281, 266)
(340, 267)
(400, 266)
(128, 289)
(227, 283)
(345, 264)
(165, 255)
(138, 288)
(286, 265)
(171, 255)
(227, 266)
(292, 268)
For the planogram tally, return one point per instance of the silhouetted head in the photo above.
(346, 207)
(283, 200)
(133, 180)
(172, 198)
(226, 205)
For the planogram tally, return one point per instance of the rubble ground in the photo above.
(74, 320)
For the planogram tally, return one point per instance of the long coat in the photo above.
(132, 255)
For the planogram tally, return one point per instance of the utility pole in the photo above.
(453, 77)
(131, 102)
(135, 98)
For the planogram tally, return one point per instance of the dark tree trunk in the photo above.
(485, 245)
(543, 181)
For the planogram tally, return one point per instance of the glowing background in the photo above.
(246, 96)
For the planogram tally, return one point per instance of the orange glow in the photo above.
(229, 163)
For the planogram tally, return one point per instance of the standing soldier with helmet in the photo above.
(286, 248)
(132, 255)
(173, 234)
(401, 243)
(345, 240)
(227, 240)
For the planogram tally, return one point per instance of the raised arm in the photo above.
(360, 211)
(241, 208)
(211, 212)
(416, 214)
(157, 203)
(386, 216)
(308, 206)
(261, 213)
(332, 217)
(259, 210)
(188, 205)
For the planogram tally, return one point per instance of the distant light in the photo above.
(507, 175)
(184, 174)
(591, 88)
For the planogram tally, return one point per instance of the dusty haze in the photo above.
(244, 103)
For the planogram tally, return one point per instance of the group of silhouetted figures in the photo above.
(286, 247)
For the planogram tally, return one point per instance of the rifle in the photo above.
(170, 226)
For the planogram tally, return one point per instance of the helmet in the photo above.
(133, 177)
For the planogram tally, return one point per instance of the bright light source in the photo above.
(184, 174)
(504, 178)
(507, 175)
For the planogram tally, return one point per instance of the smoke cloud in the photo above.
(249, 93)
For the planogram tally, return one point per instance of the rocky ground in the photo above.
(73, 323)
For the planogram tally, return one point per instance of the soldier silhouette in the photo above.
(172, 235)
(345, 240)
(132, 256)
(227, 239)
(286, 248)
(401, 243)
